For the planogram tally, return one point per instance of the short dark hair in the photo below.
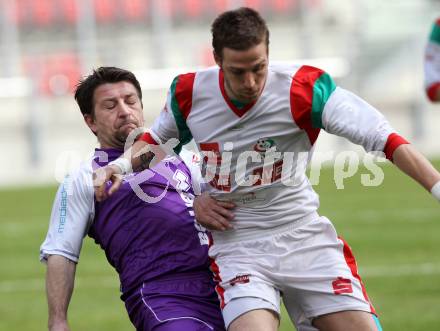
(238, 29)
(87, 86)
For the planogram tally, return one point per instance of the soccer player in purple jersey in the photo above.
(157, 248)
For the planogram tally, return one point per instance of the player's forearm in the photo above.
(141, 156)
(60, 277)
(137, 158)
(415, 165)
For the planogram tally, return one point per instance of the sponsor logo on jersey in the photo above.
(240, 279)
(342, 286)
(264, 144)
(63, 204)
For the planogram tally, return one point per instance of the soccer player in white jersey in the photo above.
(432, 64)
(251, 119)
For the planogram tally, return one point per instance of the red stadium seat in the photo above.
(58, 74)
(43, 13)
(69, 10)
(135, 10)
(281, 5)
(23, 12)
(193, 8)
(105, 10)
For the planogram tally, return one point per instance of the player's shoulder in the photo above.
(183, 84)
(85, 168)
(80, 178)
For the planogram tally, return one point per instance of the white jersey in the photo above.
(432, 62)
(73, 209)
(257, 155)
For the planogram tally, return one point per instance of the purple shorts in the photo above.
(175, 304)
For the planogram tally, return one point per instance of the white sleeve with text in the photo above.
(72, 214)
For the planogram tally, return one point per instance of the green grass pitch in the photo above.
(394, 230)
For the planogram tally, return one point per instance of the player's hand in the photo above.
(213, 214)
(101, 176)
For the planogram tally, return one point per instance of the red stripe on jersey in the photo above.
(184, 93)
(238, 111)
(148, 139)
(393, 141)
(351, 262)
(217, 279)
(437, 22)
(432, 91)
(301, 98)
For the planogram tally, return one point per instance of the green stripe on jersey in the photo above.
(185, 135)
(435, 34)
(323, 87)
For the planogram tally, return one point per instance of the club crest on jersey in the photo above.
(264, 144)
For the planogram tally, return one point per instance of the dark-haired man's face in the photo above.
(117, 111)
(245, 71)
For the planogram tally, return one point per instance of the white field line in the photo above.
(38, 284)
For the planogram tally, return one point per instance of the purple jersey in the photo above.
(149, 234)
(147, 241)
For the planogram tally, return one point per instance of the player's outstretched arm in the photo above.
(136, 158)
(213, 214)
(60, 277)
(415, 165)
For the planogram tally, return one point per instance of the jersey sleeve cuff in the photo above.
(44, 254)
(394, 141)
(148, 138)
(432, 91)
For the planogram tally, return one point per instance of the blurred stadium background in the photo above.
(374, 48)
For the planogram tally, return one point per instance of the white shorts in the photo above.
(305, 262)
